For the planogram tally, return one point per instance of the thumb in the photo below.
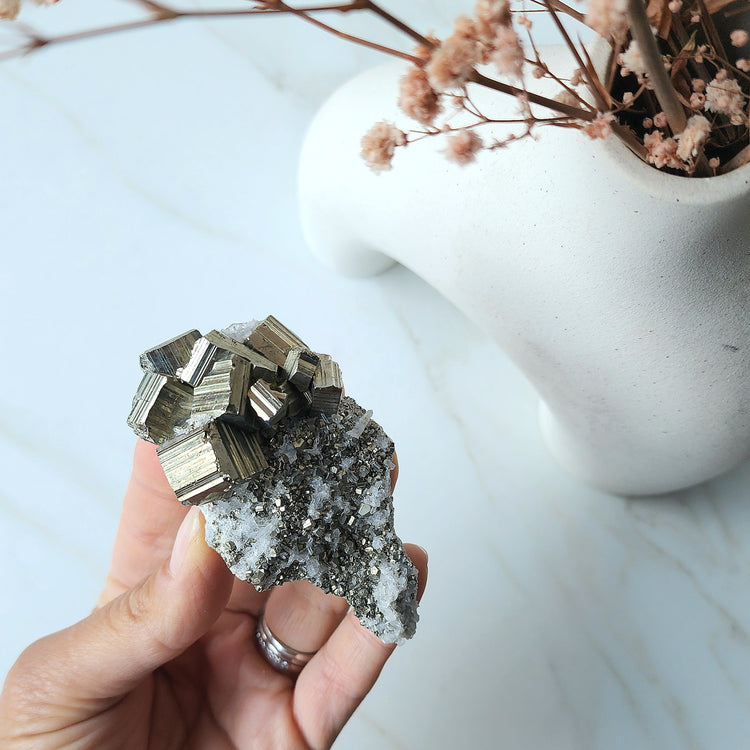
(118, 645)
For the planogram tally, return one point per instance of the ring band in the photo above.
(278, 654)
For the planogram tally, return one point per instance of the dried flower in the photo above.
(661, 151)
(743, 64)
(739, 37)
(452, 62)
(699, 85)
(508, 54)
(379, 143)
(714, 162)
(490, 15)
(692, 138)
(601, 127)
(608, 18)
(9, 9)
(525, 21)
(675, 6)
(700, 51)
(660, 120)
(462, 146)
(566, 97)
(697, 101)
(647, 123)
(632, 61)
(726, 98)
(416, 98)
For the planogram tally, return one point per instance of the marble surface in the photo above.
(555, 616)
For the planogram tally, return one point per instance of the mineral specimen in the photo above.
(292, 478)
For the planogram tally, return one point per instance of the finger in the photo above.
(302, 616)
(246, 600)
(149, 521)
(341, 674)
(119, 644)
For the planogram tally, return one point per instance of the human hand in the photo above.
(168, 658)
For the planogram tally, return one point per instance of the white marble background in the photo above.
(148, 186)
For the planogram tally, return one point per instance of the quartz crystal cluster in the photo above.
(292, 477)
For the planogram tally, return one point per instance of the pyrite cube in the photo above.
(209, 461)
(274, 340)
(216, 345)
(327, 386)
(159, 404)
(170, 356)
(300, 365)
(223, 390)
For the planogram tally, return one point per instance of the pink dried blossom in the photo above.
(508, 54)
(743, 64)
(661, 151)
(452, 62)
(601, 127)
(647, 123)
(660, 120)
(721, 75)
(714, 162)
(697, 101)
(695, 18)
(608, 18)
(726, 98)
(566, 97)
(379, 143)
(416, 97)
(9, 9)
(490, 15)
(699, 85)
(692, 138)
(462, 147)
(739, 37)
(538, 71)
(700, 51)
(525, 21)
(465, 28)
(675, 6)
(632, 61)
(627, 97)
(577, 78)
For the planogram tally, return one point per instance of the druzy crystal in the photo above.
(292, 477)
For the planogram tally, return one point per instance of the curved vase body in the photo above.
(622, 293)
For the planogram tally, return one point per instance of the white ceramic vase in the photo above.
(621, 292)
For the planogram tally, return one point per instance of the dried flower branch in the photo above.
(671, 91)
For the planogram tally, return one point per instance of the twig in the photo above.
(640, 28)
(505, 88)
(160, 13)
(574, 51)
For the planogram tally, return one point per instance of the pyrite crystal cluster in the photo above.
(292, 477)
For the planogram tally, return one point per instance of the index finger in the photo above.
(148, 525)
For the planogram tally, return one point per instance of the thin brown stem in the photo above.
(640, 28)
(160, 13)
(304, 15)
(505, 88)
(566, 10)
(601, 104)
(400, 25)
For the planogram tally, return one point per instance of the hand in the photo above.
(168, 658)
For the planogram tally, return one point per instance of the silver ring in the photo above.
(278, 654)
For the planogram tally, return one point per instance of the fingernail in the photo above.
(189, 527)
(426, 555)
